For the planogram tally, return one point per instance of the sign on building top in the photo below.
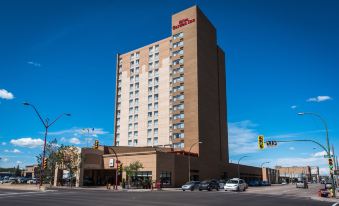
(183, 22)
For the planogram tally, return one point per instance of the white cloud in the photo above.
(74, 140)
(319, 154)
(35, 64)
(82, 132)
(319, 99)
(5, 159)
(12, 151)
(27, 142)
(18, 162)
(242, 137)
(291, 148)
(4, 94)
(3, 143)
(293, 106)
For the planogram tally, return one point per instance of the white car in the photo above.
(32, 181)
(235, 184)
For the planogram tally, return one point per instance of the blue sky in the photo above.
(282, 57)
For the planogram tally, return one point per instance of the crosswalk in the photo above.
(11, 194)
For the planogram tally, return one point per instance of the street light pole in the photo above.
(46, 125)
(327, 142)
(238, 164)
(189, 160)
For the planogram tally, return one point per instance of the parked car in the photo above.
(254, 183)
(4, 180)
(190, 185)
(235, 184)
(32, 181)
(21, 180)
(265, 183)
(222, 184)
(209, 185)
(12, 180)
(302, 184)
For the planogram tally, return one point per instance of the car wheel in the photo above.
(200, 189)
(183, 190)
(192, 189)
(209, 189)
(217, 189)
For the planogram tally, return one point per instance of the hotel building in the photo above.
(170, 111)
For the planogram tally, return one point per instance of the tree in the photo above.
(52, 148)
(68, 158)
(132, 169)
(17, 171)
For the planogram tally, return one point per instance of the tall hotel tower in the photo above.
(172, 92)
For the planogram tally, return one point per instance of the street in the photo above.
(85, 197)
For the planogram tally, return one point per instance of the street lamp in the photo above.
(327, 141)
(238, 164)
(262, 164)
(189, 160)
(46, 125)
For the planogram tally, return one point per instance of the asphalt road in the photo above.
(168, 198)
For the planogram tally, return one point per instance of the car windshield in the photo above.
(189, 183)
(205, 182)
(233, 181)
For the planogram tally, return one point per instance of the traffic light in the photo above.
(271, 143)
(261, 144)
(330, 163)
(44, 163)
(120, 168)
(96, 144)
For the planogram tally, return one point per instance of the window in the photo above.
(149, 133)
(118, 121)
(156, 56)
(135, 142)
(132, 56)
(137, 78)
(137, 62)
(178, 135)
(150, 74)
(149, 114)
(149, 90)
(155, 141)
(178, 107)
(130, 103)
(166, 178)
(150, 107)
(156, 115)
(178, 79)
(130, 119)
(178, 88)
(156, 89)
(136, 85)
(155, 132)
(129, 127)
(156, 106)
(178, 35)
(178, 52)
(156, 97)
(136, 118)
(178, 44)
(129, 134)
(178, 116)
(136, 109)
(118, 128)
(150, 50)
(135, 126)
(156, 64)
(136, 70)
(155, 123)
(132, 64)
(136, 93)
(150, 98)
(156, 72)
(156, 48)
(156, 80)
(150, 81)
(129, 142)
(149, 124)
(178, 97)
(117, 143)
(137, 55)
(179, 126)
(178, 145)
(135, 134)
(150, 65)
(149, 141)
(150, 58)
(131, 87)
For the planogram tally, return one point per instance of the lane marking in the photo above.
(335, 204)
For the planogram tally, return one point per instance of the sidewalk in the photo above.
(19, 186)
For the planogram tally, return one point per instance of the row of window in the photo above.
(178, 61)
(178, 35)
(179, 126)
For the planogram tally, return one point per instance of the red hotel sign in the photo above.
(183, 22)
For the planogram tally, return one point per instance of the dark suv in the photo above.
(209, 185)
